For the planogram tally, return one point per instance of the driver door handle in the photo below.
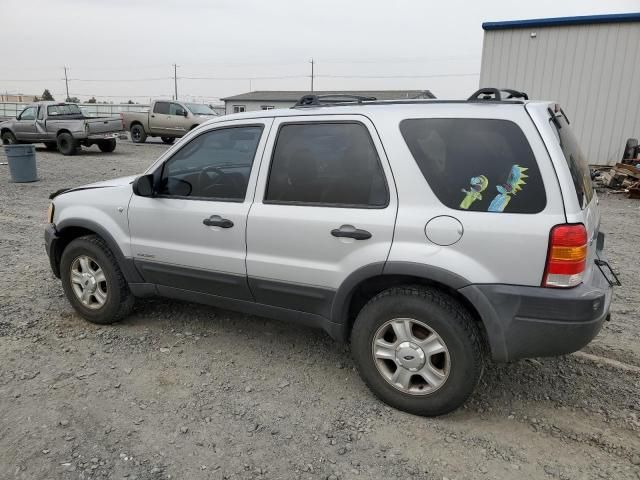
(217, 221)
(349, 231)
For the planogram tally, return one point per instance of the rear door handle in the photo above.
(217, 221)
(349, 231)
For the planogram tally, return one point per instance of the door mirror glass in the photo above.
(143, 186)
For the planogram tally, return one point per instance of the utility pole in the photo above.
(312, 63)
(66, 82)
(175, 80)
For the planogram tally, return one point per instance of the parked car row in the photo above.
(63, 126)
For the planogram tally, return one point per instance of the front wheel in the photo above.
(8, 138)
(168, 140)
(107, 146)
(418, 350)
(67, 145)
(138, 135)
(93, 282)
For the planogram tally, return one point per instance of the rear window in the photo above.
(576, 160)
(481, 165)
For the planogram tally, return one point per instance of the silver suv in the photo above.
(431, 234)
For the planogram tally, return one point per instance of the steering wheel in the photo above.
(204, 178)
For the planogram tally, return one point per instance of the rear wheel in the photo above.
(107, 146)
(50, 145)
(138, 135)
(8, 138)
(418, 350)
(93, 282)
(168, 140)
(67, 144)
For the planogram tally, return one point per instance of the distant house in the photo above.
(16, 97)
(267, 100)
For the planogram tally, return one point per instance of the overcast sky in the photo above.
(121, 49)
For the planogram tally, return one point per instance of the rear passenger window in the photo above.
(576, 162)
(329, 164)
(482, 165)
(161, 107)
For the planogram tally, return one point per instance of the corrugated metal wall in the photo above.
(593, 71)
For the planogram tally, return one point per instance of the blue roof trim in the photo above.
(561, 21)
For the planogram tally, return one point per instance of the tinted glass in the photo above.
(161, 107)
(28, 114)
(326, 163)
(215, 164)
(175, 109)
(69, 109)
(576, 161)
(476, 164)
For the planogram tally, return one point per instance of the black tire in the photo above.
(67, 145)
(168, 140)
(452, 322)
(119, 300)
(138, 135)
(8, 138)
(51, 145)
(107, 146)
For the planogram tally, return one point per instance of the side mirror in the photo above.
(184, 112)
(143, 186)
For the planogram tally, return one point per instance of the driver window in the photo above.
(176, 109)
(215, 164)
(28, 113)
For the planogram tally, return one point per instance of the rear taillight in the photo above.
(122, 120)
(567, 256)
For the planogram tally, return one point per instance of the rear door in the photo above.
(159, 119)
(192, 234)
(325, 206)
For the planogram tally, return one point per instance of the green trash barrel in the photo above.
(22, 162)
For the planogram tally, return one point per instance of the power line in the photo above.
(443, 75)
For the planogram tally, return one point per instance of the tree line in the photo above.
(47, 97)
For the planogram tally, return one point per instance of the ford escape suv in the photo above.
(431, 234)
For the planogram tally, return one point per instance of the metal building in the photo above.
(589, 64)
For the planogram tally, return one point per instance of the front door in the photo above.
(324, 208)
(25, 128)
(191, 235)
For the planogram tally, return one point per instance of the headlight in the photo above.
(50, 211)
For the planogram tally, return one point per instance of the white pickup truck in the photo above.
(165, 119)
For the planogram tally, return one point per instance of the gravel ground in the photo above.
(188, 391)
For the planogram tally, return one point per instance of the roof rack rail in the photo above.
(495, 94)
(317, 100)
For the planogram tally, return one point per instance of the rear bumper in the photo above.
(103, 136)
(523, 322)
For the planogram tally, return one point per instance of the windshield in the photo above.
(65, 109)
(199, 109)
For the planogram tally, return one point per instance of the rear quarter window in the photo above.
(481, 165)
(575, 159)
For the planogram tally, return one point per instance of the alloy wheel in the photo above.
(411, 356)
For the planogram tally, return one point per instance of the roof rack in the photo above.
(317, 100)
(495, 94)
